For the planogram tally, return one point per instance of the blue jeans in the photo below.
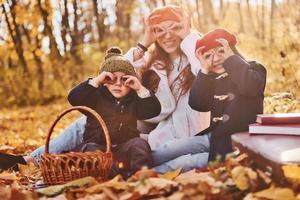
(186, 153)
(68, 140)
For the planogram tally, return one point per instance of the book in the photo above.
(279, 118)
(282, 129)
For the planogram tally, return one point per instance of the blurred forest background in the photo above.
(47, 46)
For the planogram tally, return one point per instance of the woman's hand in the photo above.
(206, 63)
(133, 83)
(183, 28)
(149, 38)
(227, 50)
(103, 78)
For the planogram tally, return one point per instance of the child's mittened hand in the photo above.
(206, 64)
(227, 50)
(132, 82)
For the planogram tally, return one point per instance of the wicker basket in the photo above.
(61, 168)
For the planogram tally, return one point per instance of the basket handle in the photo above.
(81, 108)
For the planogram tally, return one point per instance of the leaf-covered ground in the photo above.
(24, 129)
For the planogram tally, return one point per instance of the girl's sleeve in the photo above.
(188, 45)
(136, 63)
(202, 93)
(148, 107)
(249, 77)
(83, 94)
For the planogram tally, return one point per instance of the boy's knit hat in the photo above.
(115, 62)
(169, 12)
(209, 39)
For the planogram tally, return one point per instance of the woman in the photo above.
(228, 86)
(168, 69)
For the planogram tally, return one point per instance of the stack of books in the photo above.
(282, 124)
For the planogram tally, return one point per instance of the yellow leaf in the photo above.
(171, 175)
(8, 176)
(291, 171)
(242, 175)
(273, 193)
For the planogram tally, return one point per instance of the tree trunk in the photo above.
(37, 59)
(65, 26)
(241, 23)
(198, 14)
(271, 21)
(75, 35)
(123, 13)
(99, 21)
(211, 11)
(263, 20)
(251, 20)
(16, 38)
(48, 31)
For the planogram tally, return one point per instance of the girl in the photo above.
(228, 86)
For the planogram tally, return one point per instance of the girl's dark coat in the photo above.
(234, 99)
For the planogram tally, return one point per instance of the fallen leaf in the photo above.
(170, 175)
(8, 176)
(291, 171)
(242, 177)
(274, 193)
(57, 189)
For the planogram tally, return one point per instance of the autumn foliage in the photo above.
(48, 46)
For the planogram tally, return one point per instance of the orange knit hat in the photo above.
(165, 13)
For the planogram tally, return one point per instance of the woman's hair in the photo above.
(186, 77)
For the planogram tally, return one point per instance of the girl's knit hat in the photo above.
(169, 12)
(209, 39)
(115, 62)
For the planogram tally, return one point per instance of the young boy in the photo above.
(119, 97)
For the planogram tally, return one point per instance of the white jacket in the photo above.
(174, 121)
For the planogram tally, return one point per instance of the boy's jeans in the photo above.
(186, 153)
(69, 139)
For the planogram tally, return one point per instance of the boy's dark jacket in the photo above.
(243, 88)
(120, 116)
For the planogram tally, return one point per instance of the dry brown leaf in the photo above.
(115, 183)
(193, 177)
(111, 195)
(154, 185)
(130, 196)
